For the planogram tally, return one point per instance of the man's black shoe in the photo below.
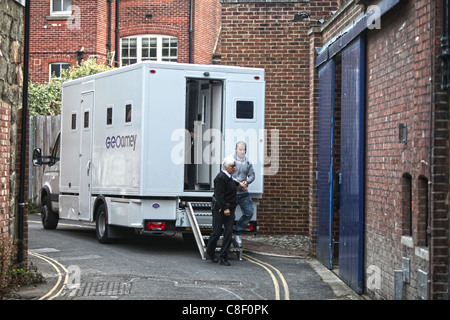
(213, 257)
(224, 262)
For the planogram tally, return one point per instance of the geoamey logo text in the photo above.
(121, 142)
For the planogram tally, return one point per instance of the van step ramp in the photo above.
(205, 210)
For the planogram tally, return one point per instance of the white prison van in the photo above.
(141, 142)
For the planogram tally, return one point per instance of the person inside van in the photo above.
(245, 174)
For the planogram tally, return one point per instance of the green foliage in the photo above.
(31, 207)
(45, 99)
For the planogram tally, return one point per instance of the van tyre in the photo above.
(49, 218)
(101, 225)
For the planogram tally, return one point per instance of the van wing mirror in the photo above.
(37, 157)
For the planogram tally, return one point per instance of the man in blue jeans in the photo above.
(245, 174)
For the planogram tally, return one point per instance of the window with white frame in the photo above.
(60, 7)
(148, 47)
(56, 68)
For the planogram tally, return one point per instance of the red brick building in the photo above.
(65, 31)
(379, 78)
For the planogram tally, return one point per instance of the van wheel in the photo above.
(49, 218)
(101, 225)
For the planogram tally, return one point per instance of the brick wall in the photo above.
(5, 154)
(403, 80)
(262, 34)
(406, 183)
(206, 26)
(391, 102)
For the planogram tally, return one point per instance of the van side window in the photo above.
(109, 115)
(86, 119)
(244, 110)
(56, 150)
(128, 113)
(74, 121)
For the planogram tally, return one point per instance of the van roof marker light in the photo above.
(256, 77)
(152, 71)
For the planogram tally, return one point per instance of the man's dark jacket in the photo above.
(225, 189)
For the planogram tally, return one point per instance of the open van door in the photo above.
(244, 116)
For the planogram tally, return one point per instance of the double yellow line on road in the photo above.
(276, 284)
(60, 270)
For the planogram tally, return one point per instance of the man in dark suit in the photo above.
(225, 188)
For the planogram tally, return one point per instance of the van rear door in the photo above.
(244, 121)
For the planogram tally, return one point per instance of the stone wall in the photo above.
(11, 78)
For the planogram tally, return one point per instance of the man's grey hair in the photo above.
(241, 143)
(228, 161)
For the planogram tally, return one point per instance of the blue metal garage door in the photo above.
(352, 166)
(325, 163)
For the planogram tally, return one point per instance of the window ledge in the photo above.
(57, 17)
(422, 252)
(419, 251)
(408, 241)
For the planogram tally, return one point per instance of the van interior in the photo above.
(203, 143)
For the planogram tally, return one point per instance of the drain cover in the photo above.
(91, 289)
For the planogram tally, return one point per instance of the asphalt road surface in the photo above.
(161, 267)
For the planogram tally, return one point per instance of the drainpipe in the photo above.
(191, 9)
(445, 45)
(116, 30)
(23, 138)
(108, 44)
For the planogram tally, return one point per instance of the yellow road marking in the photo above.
(66, 224)
(54, 265)
(274, 279)
(285, 285)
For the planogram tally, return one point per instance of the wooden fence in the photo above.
(43, 132)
